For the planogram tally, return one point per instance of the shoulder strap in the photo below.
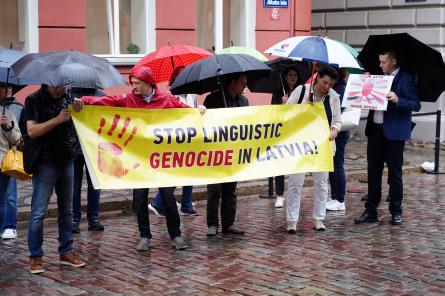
(303, 90)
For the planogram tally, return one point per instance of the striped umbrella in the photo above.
(316, 49)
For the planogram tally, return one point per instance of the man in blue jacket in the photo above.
(387, 132)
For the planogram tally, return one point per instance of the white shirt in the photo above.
(378, 115)
(148, 98)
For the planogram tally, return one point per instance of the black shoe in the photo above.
(396, 220)
(366, 217)
(76, 227)
(365, 197)
(233, 229)
(95, 225)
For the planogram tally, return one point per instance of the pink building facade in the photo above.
(125, 30)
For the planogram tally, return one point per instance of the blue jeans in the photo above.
(50, 176)
(8, 202)
(338, 177)
(186, 203)
(93, 196)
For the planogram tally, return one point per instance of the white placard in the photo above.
(367, 91)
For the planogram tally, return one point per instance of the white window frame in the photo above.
(117, 58)
(28, 18)
(246, 24)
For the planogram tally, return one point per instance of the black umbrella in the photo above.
(204, 75)
(275, 81)
(415, 57)
(68, 68)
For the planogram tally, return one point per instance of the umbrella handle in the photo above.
(282, 85)
(218, 82)
(312, 80)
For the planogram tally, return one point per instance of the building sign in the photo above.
(275, 3)
(275, 14)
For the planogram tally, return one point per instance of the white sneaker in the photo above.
(178, 204)
(9, 234)
(335, 205)
(318, 225)
(291, 226)
(279, 202)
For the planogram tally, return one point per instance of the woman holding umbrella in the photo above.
(290, 80)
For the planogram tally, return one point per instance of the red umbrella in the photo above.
(164, 60)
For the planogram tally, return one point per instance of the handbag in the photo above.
(12, 165)
(350, 118)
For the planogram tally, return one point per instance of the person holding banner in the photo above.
(146, 95)
(290, 80)
(387, 132)
(157, 206)
(231, 97)
(48, 154)
(93, 195)
(322, 92)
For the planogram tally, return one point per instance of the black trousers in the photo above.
(380, 151)
(140, 202)
(226, 193)
(279, 185)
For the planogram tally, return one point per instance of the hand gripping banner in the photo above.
(139, 148)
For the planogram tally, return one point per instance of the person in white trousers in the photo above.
(321, 92)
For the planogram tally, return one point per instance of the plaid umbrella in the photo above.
(164, 60)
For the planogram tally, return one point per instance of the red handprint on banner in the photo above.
(109, 159)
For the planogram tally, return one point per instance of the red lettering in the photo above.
(154, 160)
(166, 157)
(199, 161)
(218, 159)
(178, 159)
(190, 159)
(228, 158)
(209, 158)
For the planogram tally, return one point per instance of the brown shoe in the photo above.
(36, 265)
(71, 259)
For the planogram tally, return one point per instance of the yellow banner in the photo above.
(139, 148)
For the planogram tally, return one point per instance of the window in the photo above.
(120, 27)
(18, 25)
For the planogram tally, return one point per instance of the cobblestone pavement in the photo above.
(346, 259)
(355, 160)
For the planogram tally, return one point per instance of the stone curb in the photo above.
(245, 188)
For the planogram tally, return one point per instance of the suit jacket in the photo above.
(215, 100)
(397, 118)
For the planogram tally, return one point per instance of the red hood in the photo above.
(143, 73)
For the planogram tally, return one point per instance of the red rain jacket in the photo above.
(131, 100)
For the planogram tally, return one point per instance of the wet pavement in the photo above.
(355, 166)
(346, 259)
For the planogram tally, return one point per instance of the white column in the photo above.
(250, 23)
(150, 18)
(29, 27)
(218, 24)
(116, 31)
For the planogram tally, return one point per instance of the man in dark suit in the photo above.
(387, 132)
(232, 97)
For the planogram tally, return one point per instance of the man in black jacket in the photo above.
(232, 97)
(49, 152)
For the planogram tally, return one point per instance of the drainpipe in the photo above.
(292, 17)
